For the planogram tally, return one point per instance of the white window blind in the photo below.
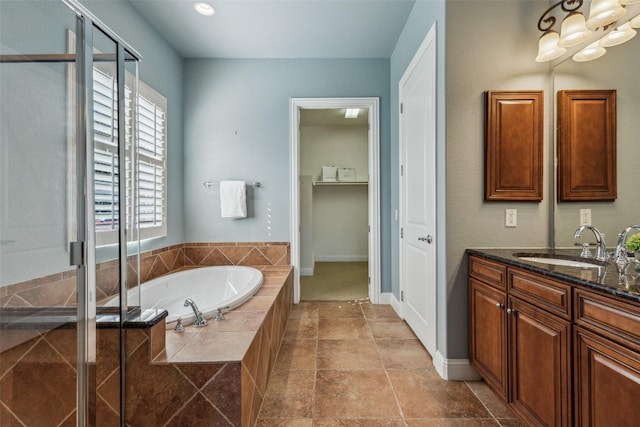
(145, 160)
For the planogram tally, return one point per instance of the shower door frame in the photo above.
(82, 251)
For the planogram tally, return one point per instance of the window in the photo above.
(145, 159)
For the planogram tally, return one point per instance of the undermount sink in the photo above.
(563, 260)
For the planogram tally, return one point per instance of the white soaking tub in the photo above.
(211, 288)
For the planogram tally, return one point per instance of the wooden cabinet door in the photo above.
(488, 335)
(587, 145)
(539, 346)
(607, 382)
(514, 135)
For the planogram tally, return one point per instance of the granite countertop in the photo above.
(604, 277)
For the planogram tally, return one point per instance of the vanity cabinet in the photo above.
(488, 333)
(559, 353)
(607, 360)
(520, 340)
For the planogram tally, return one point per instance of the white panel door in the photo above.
(418, 192)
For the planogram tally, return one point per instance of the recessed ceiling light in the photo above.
(204, 8)
(351, 113)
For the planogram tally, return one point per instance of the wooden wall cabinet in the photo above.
(514, 145)
(586, 145)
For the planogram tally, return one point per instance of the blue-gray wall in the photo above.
(237, 126)
(162, 69)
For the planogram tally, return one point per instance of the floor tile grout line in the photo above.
(482, 403)
(386, 374)
(315, 383)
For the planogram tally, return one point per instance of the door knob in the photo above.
(427, 239)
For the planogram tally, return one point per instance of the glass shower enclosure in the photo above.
(66, 126)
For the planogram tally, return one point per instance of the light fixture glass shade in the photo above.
(604, 12)
(589, 53)
(204, 8)
(626, 2)
(635, 22)
(573, 30)
(548, 48)
(618, 36)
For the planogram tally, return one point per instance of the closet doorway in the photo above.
(335, 193)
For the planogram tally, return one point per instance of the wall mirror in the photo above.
(617, 69)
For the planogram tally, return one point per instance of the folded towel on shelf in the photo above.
(233, 199)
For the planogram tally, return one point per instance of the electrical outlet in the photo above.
(585, 216)
(511, 218)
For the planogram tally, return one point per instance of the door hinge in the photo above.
(402, 296)
(401, 232)
(369, 280)
(76, 253)
(401, 170)
(401, 108)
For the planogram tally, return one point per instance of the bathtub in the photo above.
(211, 288)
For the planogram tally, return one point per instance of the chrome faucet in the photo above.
(601, 246)
(621, 254)
(199, 321)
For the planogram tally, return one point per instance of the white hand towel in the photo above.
(233, 199)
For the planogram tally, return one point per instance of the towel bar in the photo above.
(209, 184)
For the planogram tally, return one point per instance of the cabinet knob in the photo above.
(511, 311)
(499, 305)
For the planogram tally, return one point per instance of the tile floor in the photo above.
(347, 364)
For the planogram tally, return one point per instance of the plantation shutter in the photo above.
(151, 150)
(106, 175)
(147, 190)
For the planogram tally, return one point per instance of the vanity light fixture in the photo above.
(204, 8)
(576, 31)
(589, 53)
(573, 30)
(604, 12)
(620, 35)
(351, 113)
(548, 48)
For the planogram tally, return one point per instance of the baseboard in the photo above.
(385, 298)
(391, 299)
(454, 369)
(341, 258)
(306, 271)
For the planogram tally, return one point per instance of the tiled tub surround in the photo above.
(221, 369)
(213, 376)
(60, 289)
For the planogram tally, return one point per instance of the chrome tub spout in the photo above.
(199, 321)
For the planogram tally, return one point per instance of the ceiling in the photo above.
(331, 117)
(280, 28)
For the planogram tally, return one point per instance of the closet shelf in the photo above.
(340, 183)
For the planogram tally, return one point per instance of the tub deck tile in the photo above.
(215, 347)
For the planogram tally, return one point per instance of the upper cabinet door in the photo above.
(586, 145)
(513, 145)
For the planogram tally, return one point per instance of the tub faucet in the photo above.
(621, 254)
(199, 321)
(601, 246)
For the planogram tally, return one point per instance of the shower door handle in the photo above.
(76, 253)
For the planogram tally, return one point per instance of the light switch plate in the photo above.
(511, 218)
